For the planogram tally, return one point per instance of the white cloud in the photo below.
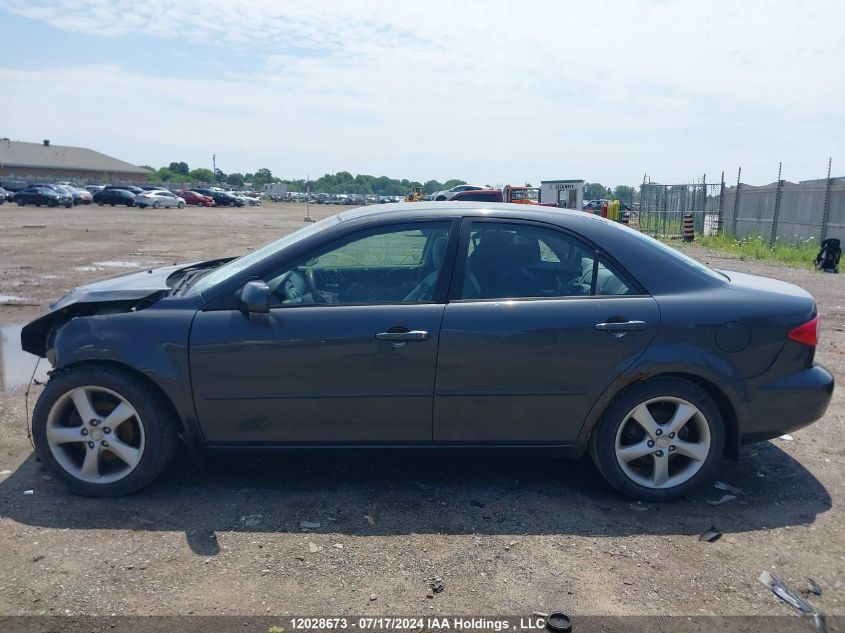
(490, 91)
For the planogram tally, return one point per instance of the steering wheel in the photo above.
(423, 290)
(316, 297)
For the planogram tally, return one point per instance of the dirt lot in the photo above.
(505, 536)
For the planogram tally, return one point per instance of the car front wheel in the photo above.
(659, 439)
(102, 432)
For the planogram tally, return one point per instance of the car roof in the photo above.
(469, 208)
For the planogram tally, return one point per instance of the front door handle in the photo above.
(412, 335)
(621, 326)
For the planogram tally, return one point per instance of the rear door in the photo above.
(538, 324)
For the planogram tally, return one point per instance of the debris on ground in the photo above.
(436, 584)
(313, 548)
(734, 490)
(787, 437)
(710, 535)
(815, 588)
(370, 519)
(639, 507)
(723, 499)
(779, 588)
(29, 492)
(5, 472)
(309, 525)
(373, 597)
(251, 520)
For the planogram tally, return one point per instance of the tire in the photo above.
(703, 436)
(143, 206)
(52, 204)
(181, 205)
(21, 203)
(100, 203)
(156, 205)
(69, 206)
(440, 198)
(156, 438)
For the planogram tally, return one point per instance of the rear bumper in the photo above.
(785, 404)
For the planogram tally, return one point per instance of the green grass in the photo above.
(800, 254)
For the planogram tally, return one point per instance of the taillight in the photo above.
(808, 334)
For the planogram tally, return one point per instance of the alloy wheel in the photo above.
(663, 442)
(95, 434)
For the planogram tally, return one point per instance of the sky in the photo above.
(490, 92)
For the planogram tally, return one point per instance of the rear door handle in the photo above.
(412, 335)
(622, 326)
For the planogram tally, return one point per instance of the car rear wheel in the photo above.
(156, 205)
(659, 439)
(102, 432)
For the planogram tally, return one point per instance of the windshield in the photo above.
(235, 266)
(525, 194)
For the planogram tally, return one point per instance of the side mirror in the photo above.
(255, 297)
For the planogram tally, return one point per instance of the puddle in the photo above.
(16, 365)
(116, 263)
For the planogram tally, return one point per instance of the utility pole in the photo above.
(826, 207)
(308, 217)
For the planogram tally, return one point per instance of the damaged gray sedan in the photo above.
(455, 325)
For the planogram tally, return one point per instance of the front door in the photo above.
(523, 352)
(346, 354)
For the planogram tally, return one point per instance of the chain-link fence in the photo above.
(781, 211)
(661, 208)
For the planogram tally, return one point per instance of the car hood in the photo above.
(123, 292)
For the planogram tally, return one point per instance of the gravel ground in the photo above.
(350, 534)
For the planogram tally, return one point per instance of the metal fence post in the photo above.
(826, 207)
(736, 202)
(721, 211)
(776, 213)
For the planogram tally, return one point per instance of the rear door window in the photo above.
(521, 260)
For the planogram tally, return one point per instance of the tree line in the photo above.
(343, 182)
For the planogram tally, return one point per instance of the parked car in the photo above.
(447, 194)
(195, 199)
(478, 195)
(437, 325)
(222, 198)
(115, 196)
(132, 188)
(157, 198)
(41, 195)
(83, 196)
(593, 205)
(94, 188)
(5, 196)
(251, 201)
(67, 191)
